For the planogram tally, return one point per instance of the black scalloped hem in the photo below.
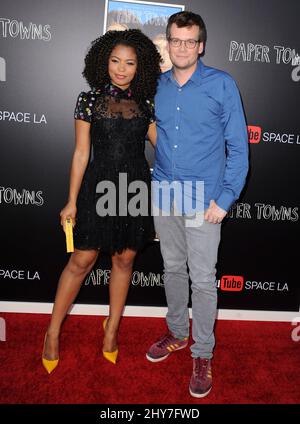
(114, 249)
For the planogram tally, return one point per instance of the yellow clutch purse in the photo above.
(69, 235)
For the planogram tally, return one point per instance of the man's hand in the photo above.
(214, 214)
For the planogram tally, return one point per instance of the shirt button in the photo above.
(176, 127)
(178, 108)
(175, 146)
(179, 89)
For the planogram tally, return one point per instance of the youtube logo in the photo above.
(232, 283)
(254, 134)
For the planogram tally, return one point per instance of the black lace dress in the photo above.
(118, 130)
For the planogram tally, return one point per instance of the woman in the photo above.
(122, 68)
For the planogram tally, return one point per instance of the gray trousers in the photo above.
(196, 247)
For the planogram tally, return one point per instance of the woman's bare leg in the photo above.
(118, 288)
(80, 264)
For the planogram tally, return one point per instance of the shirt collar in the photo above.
(117, 92)
(196, 77)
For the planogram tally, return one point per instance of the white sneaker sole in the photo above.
(197, 395)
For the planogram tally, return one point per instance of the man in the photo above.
(202, 136)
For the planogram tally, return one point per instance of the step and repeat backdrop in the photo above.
(42, 49)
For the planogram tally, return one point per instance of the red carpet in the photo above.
(254, 363)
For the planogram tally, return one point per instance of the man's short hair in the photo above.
(187, 19)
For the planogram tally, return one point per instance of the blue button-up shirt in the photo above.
(202, 134)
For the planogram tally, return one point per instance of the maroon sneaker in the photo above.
(164, 346)
(201, 380)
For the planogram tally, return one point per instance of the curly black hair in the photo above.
(144, 83)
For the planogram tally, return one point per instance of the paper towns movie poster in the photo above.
(151, 18)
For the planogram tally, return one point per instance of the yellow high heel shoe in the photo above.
(48, 364)
(110, 356)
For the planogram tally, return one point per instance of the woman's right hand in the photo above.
(69, 211)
